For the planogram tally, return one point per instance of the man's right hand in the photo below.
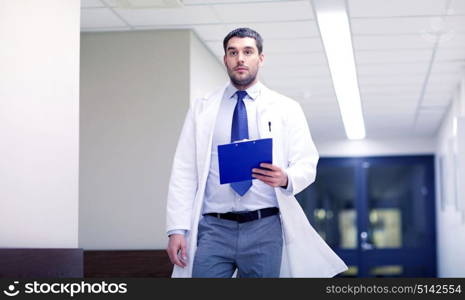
(177, 250)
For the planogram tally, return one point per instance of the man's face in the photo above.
(242, 61)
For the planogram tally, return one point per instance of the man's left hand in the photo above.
(271, 175)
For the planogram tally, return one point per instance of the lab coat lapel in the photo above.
(205, 126)
(264, 114)
(268, 121)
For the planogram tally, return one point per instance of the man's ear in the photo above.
(261, 59)
(224, 60)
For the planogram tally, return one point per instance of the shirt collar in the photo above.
(253, 91)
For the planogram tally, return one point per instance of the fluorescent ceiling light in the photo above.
(148, 4)
(335, 32)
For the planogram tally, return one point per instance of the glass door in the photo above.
(376, 213)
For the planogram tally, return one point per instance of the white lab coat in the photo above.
(305, 253)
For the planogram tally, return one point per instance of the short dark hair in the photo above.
(242, 33)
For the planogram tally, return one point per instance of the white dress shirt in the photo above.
(221, 198)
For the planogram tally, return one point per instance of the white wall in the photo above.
(135, 92)
(206, 72)
(39, 129)
(450, 221)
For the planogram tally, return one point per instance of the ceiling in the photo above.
(410, 54)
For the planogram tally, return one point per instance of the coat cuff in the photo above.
(177, 231)
(289, 189)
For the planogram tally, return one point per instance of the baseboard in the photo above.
(126, 263)
(41, 263)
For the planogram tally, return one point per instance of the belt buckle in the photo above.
(238, 217)
(259, 212)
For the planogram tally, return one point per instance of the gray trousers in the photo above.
(254, 248)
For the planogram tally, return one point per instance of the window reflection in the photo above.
(352, 271)
(396, 200)
(348, 229)
(387, 271)
(386, 227)
(329, 206)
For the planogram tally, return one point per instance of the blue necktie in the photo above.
(239, 131)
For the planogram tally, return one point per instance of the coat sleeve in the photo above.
(302, 153)
(183, 180)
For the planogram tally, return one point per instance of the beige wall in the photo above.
(206, 72)
(135, 91)
(39, 123)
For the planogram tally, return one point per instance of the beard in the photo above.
(242, 81)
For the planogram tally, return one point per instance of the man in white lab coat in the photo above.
(255, 228)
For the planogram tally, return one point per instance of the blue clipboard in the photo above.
(236, 160)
